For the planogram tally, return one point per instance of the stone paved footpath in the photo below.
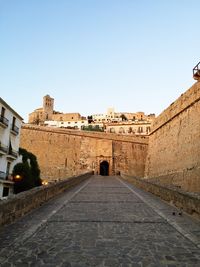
(103, 222)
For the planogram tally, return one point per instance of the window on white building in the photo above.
(8, 169)
(3, 112)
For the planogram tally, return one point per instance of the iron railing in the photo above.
(12, 153)
(4, 120)
(3, 175)
(3, 148)
(15, 129)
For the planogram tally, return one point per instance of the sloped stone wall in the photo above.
(174, 144)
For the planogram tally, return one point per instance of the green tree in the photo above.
(26, 174)
(90, 119)
(94, 128)
(124, 118)
(23, 180)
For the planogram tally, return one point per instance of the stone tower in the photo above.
(48, 106)
(111, 112)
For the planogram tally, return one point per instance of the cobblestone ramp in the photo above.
(102, 222)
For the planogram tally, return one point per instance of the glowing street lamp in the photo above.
(44, 183)
(18, 177)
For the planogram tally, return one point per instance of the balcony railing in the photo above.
(196, 72)
(3, 175)
(4, 121)
(15, 129)
(3, 149)
(12, 153)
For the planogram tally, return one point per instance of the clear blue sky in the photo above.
(133, 55)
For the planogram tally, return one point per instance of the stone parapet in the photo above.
(18, 205)
(90, 134)
(188, 202)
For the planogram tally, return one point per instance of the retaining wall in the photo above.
(64, 153)
(174, 143)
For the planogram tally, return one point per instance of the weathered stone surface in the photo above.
(64, 153)
(173, 150)
(174, 144)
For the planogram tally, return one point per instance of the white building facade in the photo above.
(110, 116)
(10, 126)
(75, 124)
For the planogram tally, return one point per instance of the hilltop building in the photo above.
(124, 122)
(70, 122)
(49, 117)
(39, 115)
(134, 127)
(113, 122)
(112, 116)
(10, 126)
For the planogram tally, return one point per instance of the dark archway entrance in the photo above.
(104, 168)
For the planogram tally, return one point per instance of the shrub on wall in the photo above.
(26, 174)
(94, 128)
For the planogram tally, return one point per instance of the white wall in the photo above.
(6, 135)
(66, 124)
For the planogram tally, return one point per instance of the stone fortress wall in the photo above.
(63, 153)
(173, 146)
(174, 143)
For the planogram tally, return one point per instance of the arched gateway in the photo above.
(104, 168)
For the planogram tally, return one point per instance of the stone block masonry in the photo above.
(63, 153)
(170, 155)
(20, 204)
(174, 143)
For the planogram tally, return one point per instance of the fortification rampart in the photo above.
(174, 143)
(91, 134)
(62, 153)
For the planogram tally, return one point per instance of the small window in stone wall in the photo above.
(140, 129)
(148, 129)
(65, 162)
(121, 130)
